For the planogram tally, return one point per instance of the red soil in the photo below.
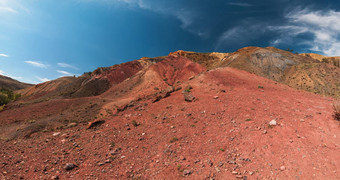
(118, 73)
(226, 129)
(174, 68)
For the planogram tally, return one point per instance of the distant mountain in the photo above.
(11, 84)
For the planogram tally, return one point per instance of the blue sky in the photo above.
(42, 40)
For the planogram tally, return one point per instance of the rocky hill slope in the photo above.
(186, 115)
(297, 71)
(11, 84)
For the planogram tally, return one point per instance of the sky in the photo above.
(42, 40)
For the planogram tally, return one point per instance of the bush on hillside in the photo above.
(7, 95)
(4, 99)
(336, 107)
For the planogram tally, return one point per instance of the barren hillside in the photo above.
(187, 115)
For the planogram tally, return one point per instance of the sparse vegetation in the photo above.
(336, 108)
(188, 89)
(112, 144)
(221, 149)
(135, 123)
(248, 119)
(260, 87)
(7, 95)
(290, 50)
(179, 166)
(3, 99)
(174, 139)
(325, 60)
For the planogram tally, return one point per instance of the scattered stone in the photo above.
(186, 172)
(231, 162)
(191, 78)
(282, 168)
(265, 132)
(55, 177)
(157, 98)
(234, 172)
(302, 120)
(188, 97)
(251, 172)
(182, 158)
(95, 123)
(114, 152)
(215, 97)
(69, 166)
(188, 87)
(273, 122)
(72, 124)
(178, 88)
(239, 176)
(56, 133)
(100, 163)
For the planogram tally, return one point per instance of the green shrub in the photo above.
(4, 99)
(336, 108)
(135, 123)
(325, 60)
(174, 140)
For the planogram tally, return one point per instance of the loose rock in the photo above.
(273, 122)
(69, 166)
(56, 133)
(282, 168)
(186, 172)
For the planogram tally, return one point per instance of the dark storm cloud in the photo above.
(229, 25)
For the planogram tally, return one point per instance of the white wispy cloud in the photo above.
(240, 35)
(8, 75)
(65, 65)
(12, 7)
(4, 55)
(185, 14)
(7, 9)
(36, 64)
(64, 73)
(324, 26)
(42, 79)
(15, 77)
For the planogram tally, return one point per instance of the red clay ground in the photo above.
(224, 134)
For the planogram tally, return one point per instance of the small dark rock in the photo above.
(186, 172)
(69, 166)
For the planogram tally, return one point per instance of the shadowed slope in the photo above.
(11, 84)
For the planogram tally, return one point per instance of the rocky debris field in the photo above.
(237, 126)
